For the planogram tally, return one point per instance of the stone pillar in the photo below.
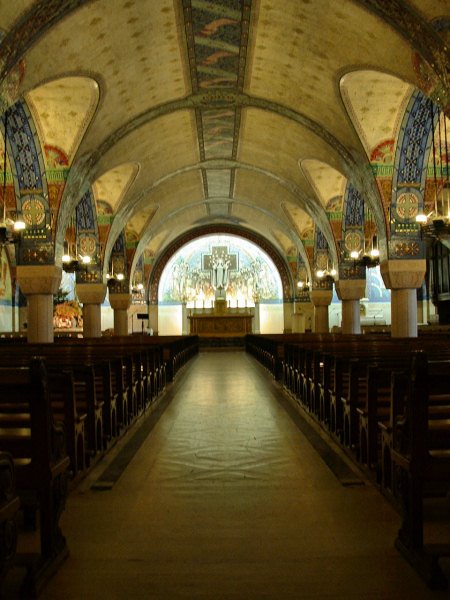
(321, 300)
(287, 316)
(120, 303)
(153, 318)
(350, 292)
(39, 283)
(403, 277)
(91, 296)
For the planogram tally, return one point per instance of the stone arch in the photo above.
(30, 185)
(280, 263)
(353, 221)
(88, 239)
(409, 178)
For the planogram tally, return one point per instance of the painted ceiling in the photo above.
(182, 113)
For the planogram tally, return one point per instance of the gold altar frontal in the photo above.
(222, 322)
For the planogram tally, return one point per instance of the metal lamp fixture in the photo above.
(326, 274)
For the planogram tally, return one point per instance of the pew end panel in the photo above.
(41, 464)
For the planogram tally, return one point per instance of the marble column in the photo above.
(120, 303)
(350, 292)
(39, 283)
(91, 296)
(321, 300)
(403, 277)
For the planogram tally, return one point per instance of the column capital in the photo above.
(321, 297)
(120, 301)
(350, 289)
(403, 274)
(91, 293)
(39, 279)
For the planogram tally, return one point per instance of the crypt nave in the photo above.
(227, 499)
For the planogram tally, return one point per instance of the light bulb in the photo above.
(19, 225)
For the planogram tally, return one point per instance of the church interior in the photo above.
(224, 299)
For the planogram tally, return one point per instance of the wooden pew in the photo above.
(376, 410)
(9, 506)
(62, 394)
(83, 405)
(28, 432)
(421, 454)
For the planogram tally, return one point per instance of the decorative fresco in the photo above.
(376, 290)
(247, 273)
(410, 171)
(159, 266)
(9, 89)
(353, 222)
(217, 34)
(28, 168)
(88, 239)
(383, 154)
(5, 277)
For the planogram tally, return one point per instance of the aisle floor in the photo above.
(226, 499)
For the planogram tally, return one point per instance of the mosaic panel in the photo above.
(159, 266)
(410, 173)
(413, 140)
(21, 140)
(217, 35)
(85, 214)
(88, 239)
(353, 208)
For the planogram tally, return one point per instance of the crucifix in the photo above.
(219, 263)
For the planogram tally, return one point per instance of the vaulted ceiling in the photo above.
(181, 113)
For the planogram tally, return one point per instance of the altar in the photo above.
(221, 322)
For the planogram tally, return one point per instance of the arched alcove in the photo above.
(248, 275)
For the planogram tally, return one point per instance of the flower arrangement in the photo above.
(66, 313)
